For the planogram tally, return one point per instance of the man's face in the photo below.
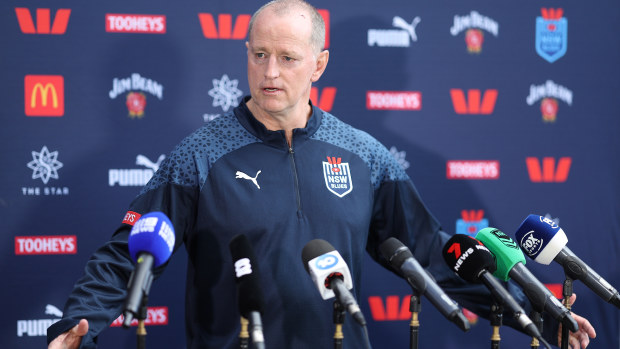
(281, 62)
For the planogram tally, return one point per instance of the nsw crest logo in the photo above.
(337, 176)
(551, 34)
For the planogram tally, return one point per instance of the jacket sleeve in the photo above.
(99, 295)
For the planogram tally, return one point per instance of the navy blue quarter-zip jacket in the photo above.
(233, 176)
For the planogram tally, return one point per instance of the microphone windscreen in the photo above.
(468, 257)
(506, 251)
(313, 249)
(540, 238)
(249, 292)
(153, 234)
(395, 252)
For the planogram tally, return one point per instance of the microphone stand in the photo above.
(339, 314)
(496, 322)
(538, 321)
(141, 330)
(244, 335)
(567, 292)
(414, 326)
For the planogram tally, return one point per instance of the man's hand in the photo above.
(581, 338)
(72, 338)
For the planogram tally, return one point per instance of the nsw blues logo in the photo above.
(551, 34)
(471, 222)
(337, 176)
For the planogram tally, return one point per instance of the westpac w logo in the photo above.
(326, 100)
(225, 29)
(43, 18)
(476, 103)
(548, 172)
(337, 176)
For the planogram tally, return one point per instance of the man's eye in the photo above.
(288, 59)
(260, 55)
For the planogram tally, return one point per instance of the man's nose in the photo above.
(273, 70)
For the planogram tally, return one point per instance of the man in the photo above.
(262, 171)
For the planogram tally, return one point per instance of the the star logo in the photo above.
(400, 157)
(45, 165)
(225, 93)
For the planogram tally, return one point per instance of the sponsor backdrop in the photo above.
(495, 110)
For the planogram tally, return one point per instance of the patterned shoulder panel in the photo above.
(189, 163)
(382, 164)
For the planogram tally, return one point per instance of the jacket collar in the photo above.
(277, 138)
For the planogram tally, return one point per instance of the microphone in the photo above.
(472, 261)
(401, 259)
(331, 275)
(511, 264)
(249, 292)
(150, 243)
(543, 241)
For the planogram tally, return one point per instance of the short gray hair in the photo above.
(283, 7)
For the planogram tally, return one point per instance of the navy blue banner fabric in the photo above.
(496, 110)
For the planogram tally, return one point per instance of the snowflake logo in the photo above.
(45, 165)
(225, 93)
(400, 157)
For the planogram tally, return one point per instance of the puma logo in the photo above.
(400, 23)
(240, 174)
(144, 161)
(52, 310)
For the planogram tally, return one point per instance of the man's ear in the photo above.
(321, 64)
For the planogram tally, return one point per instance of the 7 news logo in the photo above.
(44, 23)
(547, 171)
(476, 101)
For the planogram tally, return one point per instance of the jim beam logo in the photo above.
(473, 24)
(137, 87)
(548, 94)
(504, 239)
(337, 176)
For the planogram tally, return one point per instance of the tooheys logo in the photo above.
(237, 29)
(548, 172)
(471, 222)
(131, 23)
(326, 99)
(43, 18)
(131, 218)
(38, 245)
(464, 169)
(393, 100)
(44, 95)
(551, 34)
(504, 239)
(34, 328)
(548, 95)
(154, 316)
(474, 104)
(337, 176)
(473, 24)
